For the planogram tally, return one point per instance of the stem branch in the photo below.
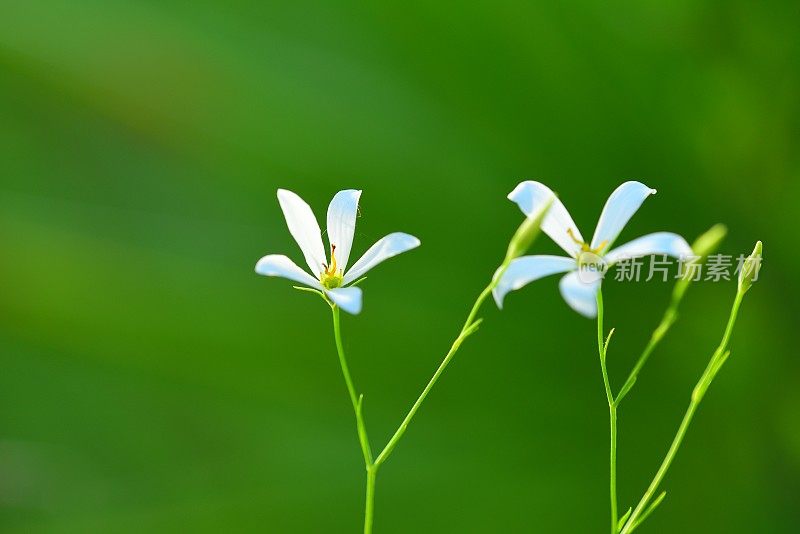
(715, 363)
(667, 320)
(612, 412)
(470, 326)
(354, 398)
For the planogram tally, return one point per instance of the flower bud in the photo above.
(709, 241)
(527, 233)
(750, 267)
(703, 246)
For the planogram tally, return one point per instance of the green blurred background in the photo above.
(151, 382)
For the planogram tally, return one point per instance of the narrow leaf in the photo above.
(626, 387)
(309, 290)
(473, 328)
(720, 362)
(621, 522)
(650, 510)
(608, 339)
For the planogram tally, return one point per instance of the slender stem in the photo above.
(612, 413)
(354, 398)
(372, 470)
(662, 470)
(667, 320)
(601, 347)
(520, 242)
(469, 327)
(337, 333)
(369, 507)
(714, 364)
(613, 468)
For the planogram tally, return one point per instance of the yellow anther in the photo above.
(571, 234)
(585, 246)
(331, 269)
(600, 247)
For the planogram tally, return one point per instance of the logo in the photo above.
(591, 267)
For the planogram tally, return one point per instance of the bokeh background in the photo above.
(151, 382)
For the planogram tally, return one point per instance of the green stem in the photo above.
(613, 468)
(469, 327)
(369, 507)
(612, 412)
(356, 400)
(703, 245)
(714, 364)
(520, 242)
(667, 320)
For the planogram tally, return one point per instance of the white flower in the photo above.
(330, 275)
(587, 262)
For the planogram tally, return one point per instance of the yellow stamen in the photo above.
(331, 277)
(585, 246)
(571, 234)
(331, 270)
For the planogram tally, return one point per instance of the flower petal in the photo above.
(347, 298)
(525, 270)
(619, 208)
(530, 196)
(658, 243)
(280, 265)
(304, 228)
(342, 213)
(579, 294)
(385, 248)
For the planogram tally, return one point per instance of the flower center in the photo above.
(331, 277)
(585, 246)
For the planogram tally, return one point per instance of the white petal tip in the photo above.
(513, 194)
(516, 189)
(280, 265)
(528, 185)
(408, 241)
(286, 194)
(352, 310)
(262, 266)
(498, 298)
(637, 182)
(347, 298)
